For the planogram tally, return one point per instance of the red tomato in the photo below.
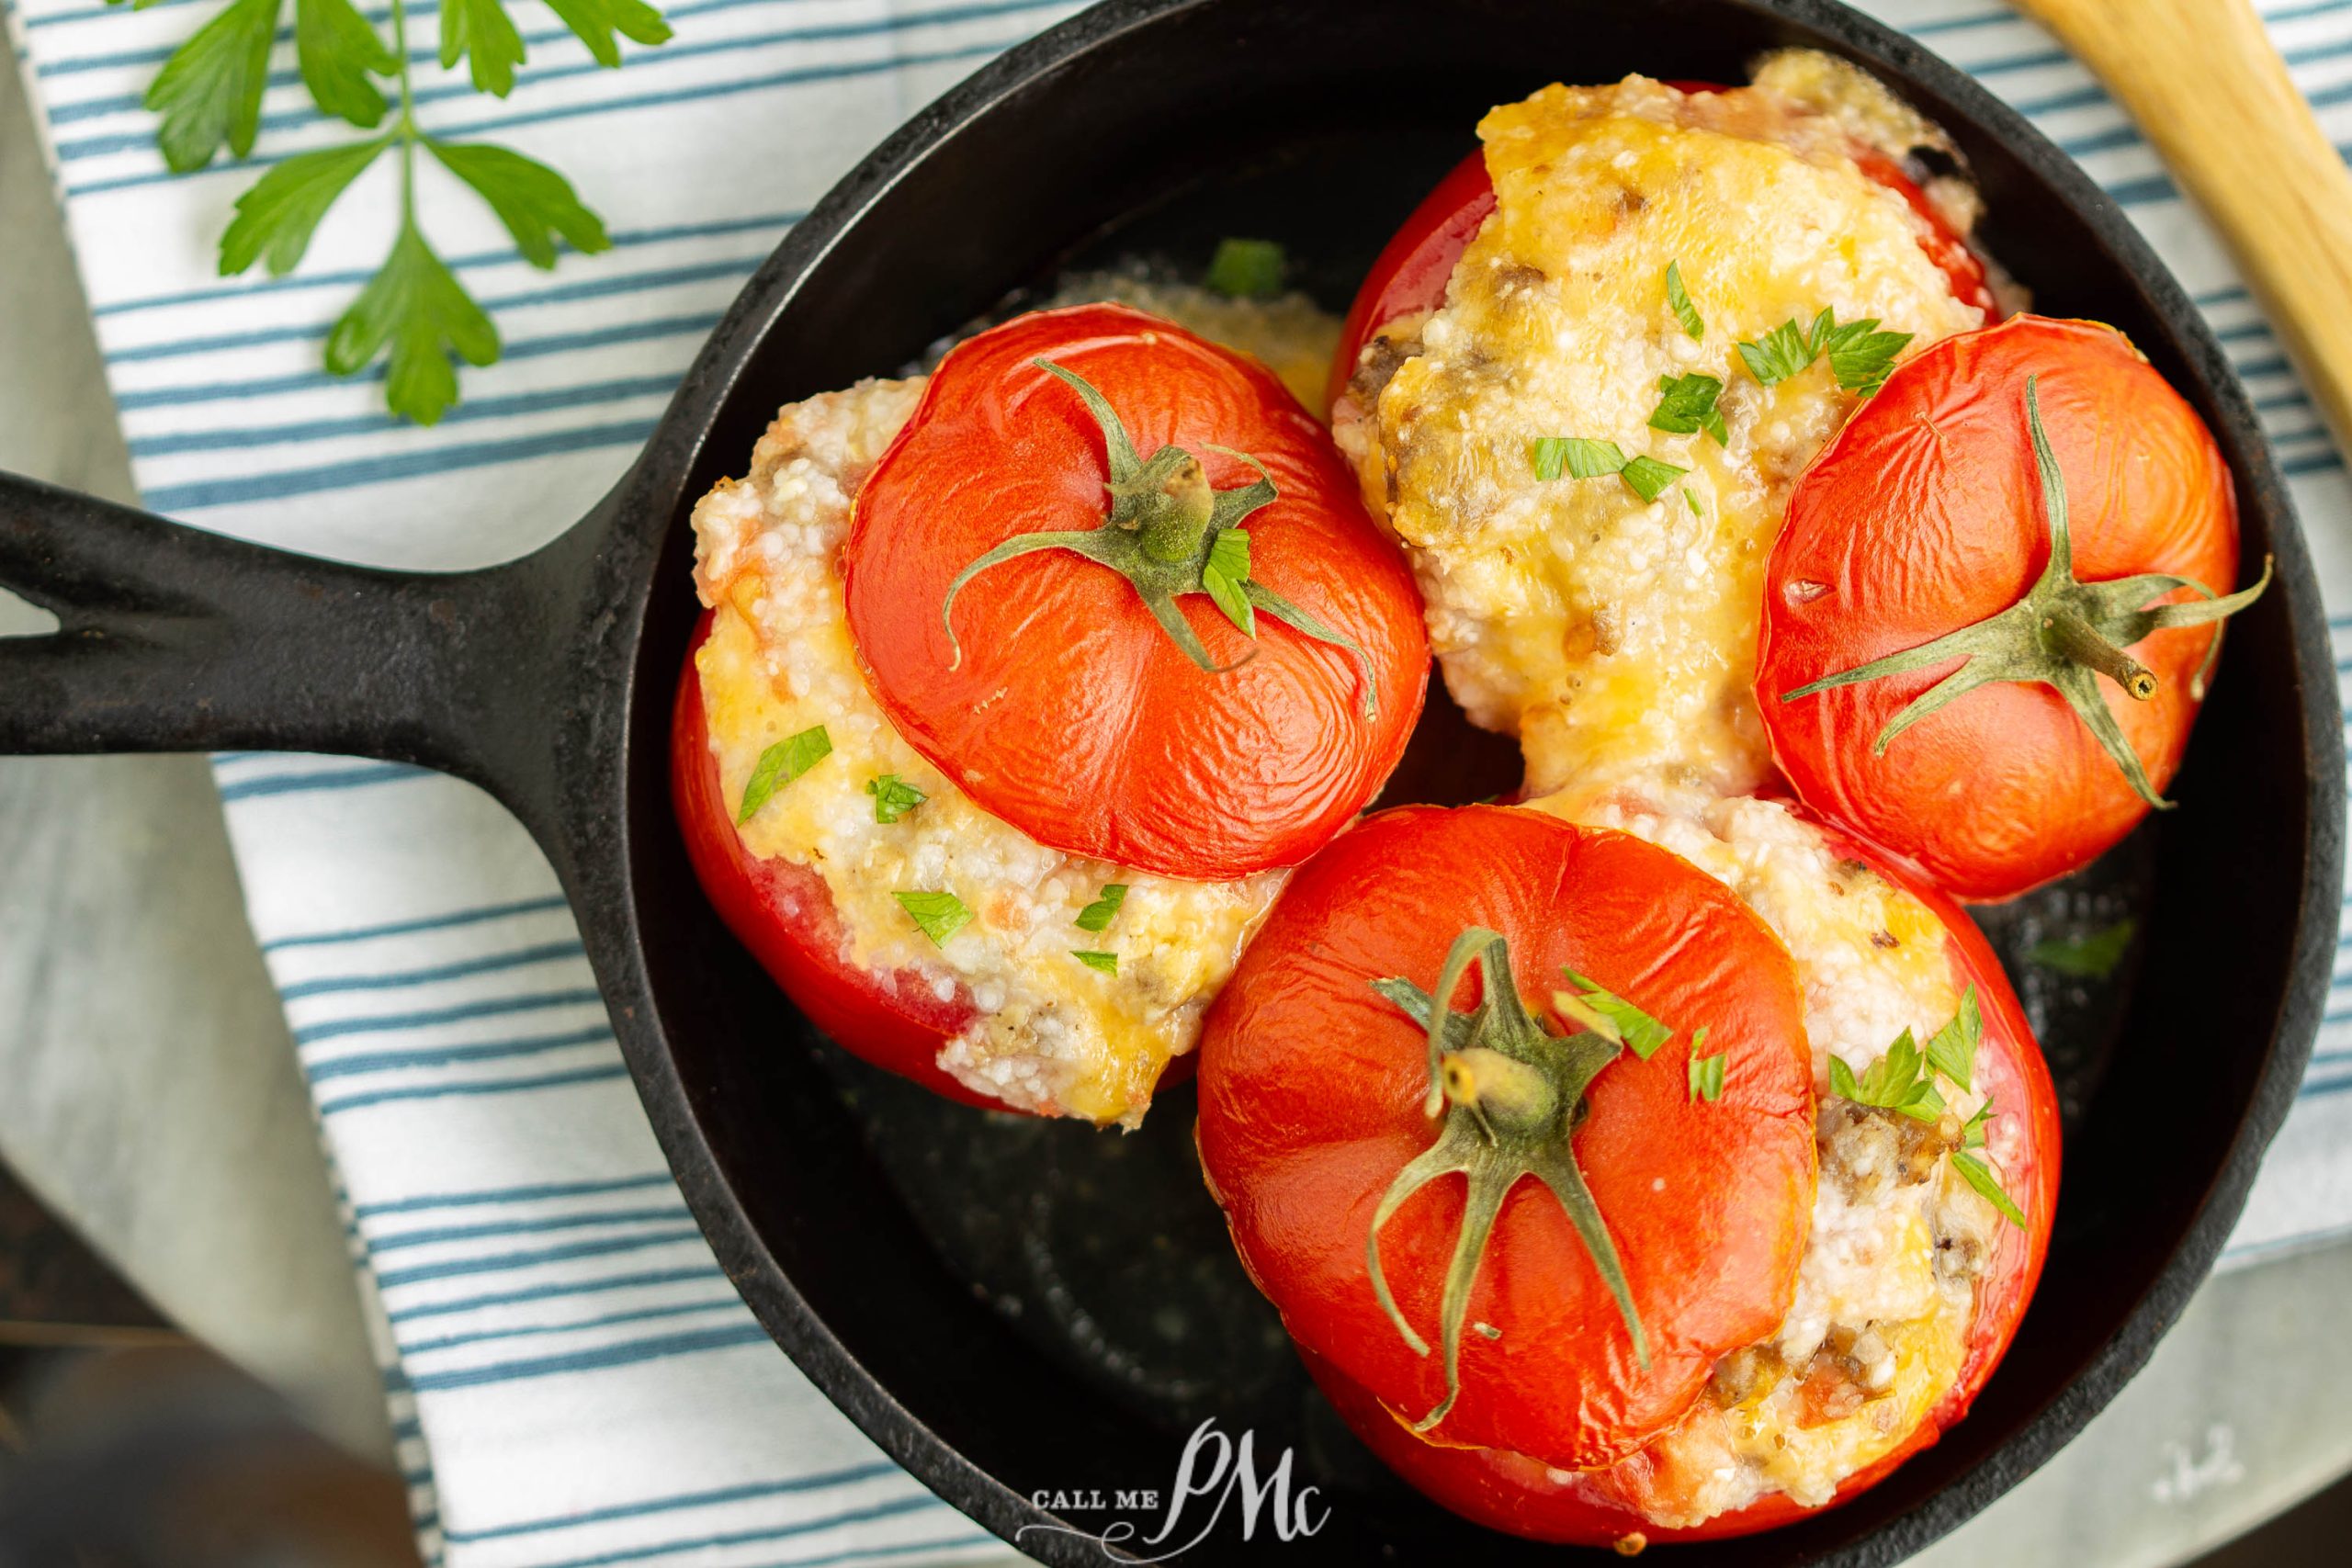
(1312, 1088)
(783, 913)
(1512, 1492)
(1410, 274)
(1926, 515)
(1061, 705)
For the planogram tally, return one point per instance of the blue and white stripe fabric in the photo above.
(573, 1381)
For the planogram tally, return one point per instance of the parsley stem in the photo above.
(406, 129)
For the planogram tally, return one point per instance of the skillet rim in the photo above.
(602, 860)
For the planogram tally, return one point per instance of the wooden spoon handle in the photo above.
(2214, 98)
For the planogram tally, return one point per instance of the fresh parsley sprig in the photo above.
(414, 313)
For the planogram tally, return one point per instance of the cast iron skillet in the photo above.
(1155, 124)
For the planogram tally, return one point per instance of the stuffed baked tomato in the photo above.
(1599, 1221)
(1023, 685)
(1591, 368)
(1989, 621)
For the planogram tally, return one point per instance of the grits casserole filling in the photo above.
(1052, 1034)
(1615, 634)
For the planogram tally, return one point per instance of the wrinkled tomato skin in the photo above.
(1311, 1089)
(1924, 515)
(1523, 1496)
(782, 912)
(1063, 708)
(1410, 274)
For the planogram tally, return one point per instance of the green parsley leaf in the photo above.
(1951, 1050)
(276, 219)
(1648, 477)
(1228, 570)
(1097, 917)
(1246, 269)
(1784, 351)
(1230, 553)
(893, 797)
(1106, 962)
(1841, 1079)
(1678, 300)
(593, 22)
(1692, 502)
(1860, 355)
(1977, 1174)
(535, 202)
(1612, 1017)
(940, 915)
(1706, 1071)
(1689, 406)
(1972, 1136)
(1580, 459)
(779, 765)
(481, 32)
(1894, 1082)
(338, 50)
(416, 306)
(208, 91)
(2093, 957)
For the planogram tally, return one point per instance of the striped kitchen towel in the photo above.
(573, 1381)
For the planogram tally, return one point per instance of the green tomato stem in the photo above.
(2070, 636)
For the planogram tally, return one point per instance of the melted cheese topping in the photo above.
(1053, 1035)
(1616, 636)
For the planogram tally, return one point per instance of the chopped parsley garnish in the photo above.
(2093, 957)
(1226, 571)
(1097, 917)
(1783, 352)
(1905, 1080)
(1979, 1175)
(1706, 1071)
(779, 765)
(1578, 457)
(1860, 355)
(1678, 300)
(1611, 1016)
(1552, 456)
(1650, 479)
(893, 797)
(1894, 1082)
(1951, 1050)
(940, 915)
(1689, 406)
(1692, 502)
(1246, 269)
(1093, 959)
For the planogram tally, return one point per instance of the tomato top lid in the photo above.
(1118, 585)
(1996, 585)
(1533, 1215)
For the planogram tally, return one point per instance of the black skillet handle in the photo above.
(174, 639)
